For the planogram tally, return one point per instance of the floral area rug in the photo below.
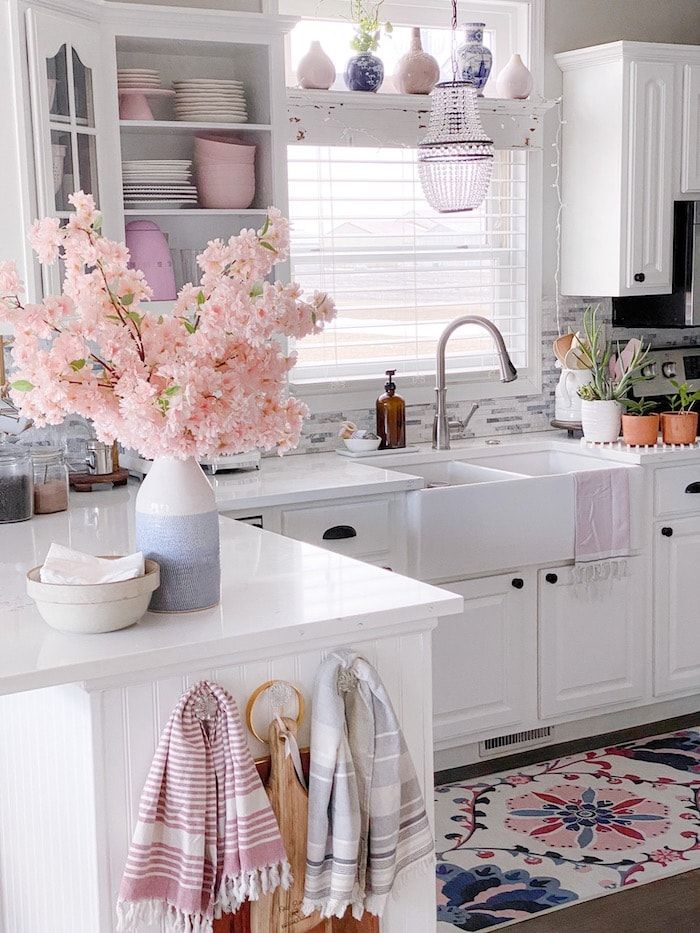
(514, 844)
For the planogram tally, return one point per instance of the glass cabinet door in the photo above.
(67, 78)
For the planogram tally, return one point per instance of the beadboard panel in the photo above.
(48, 869)
(131, 718)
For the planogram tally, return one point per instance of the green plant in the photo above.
(367, 26)
(684, 399)
(612, 373)
(641, 407)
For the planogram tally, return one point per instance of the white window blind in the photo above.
(399, 271)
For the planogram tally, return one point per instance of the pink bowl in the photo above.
(211, 148)
(225, 185)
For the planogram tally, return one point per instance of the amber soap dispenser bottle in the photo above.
(391, 416)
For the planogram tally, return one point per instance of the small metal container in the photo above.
(99, 457)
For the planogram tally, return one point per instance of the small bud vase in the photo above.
(316, 71)
(417, 72)
(177, 524)
(474, 59)
(514, 82)
(364, 72)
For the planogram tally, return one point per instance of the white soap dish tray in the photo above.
(365, 454)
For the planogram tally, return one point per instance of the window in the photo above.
(398, 270)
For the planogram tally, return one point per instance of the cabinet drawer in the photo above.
(354, 529)
(677, 490)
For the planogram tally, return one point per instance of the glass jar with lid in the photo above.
(50, 480)
(16, 483)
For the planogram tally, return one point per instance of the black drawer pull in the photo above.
(518, 583)
(338, 532)
(693, 487)
(639, 277)
(551, 578)
(667, 532)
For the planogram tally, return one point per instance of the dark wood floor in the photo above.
(671, 905)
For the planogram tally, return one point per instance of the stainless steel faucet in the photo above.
(441, 423)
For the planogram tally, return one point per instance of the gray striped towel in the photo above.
(367, 820)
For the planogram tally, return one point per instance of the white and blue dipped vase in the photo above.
(177, 524)
(474, 58)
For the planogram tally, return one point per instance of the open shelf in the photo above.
(181, 126)
(193, 212)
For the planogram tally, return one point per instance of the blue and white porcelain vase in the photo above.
(177, 524)
(364, 72)
(473, 58)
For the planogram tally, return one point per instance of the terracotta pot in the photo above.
(640, 430)
(679, 427)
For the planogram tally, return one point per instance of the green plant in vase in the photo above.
(613, 373)
(680, 425)
(365, 71)
(640, 423)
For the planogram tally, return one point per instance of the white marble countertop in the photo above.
(275, 591)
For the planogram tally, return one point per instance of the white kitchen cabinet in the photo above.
(676, 613)
(690, 151)
(593, 636)
(484, 660)
(619, 143)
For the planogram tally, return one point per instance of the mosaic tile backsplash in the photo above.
(518, 415)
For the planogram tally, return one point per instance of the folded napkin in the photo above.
(367, 820)
(206, 838)
(63, 565)
(602, 514)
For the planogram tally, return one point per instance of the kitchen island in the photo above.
(80, 715)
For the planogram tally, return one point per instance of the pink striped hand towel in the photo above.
(206, 838)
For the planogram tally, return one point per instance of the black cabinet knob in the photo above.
(518, 583)
(692, 488)
(551, 578)
(667, 532)
(639, 277)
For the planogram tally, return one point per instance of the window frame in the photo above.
(359, 392)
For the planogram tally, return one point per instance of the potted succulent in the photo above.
(640, 424)
(680, 425)
(365, 71)
(612, 376)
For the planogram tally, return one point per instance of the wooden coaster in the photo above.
(85, 482)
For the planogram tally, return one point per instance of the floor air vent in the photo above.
(505, 744)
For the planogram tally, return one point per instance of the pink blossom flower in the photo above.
(210, 378)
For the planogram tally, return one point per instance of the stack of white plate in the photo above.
(158, 183)
(210, 100)
(138, 79)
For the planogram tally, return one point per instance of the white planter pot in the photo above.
(177, 524)
(601, 421)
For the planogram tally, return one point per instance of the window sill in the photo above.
(358, 394)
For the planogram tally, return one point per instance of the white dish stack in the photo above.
(129, 79)
(158, 183)
(210, 100)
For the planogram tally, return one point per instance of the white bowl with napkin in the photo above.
(87, 595)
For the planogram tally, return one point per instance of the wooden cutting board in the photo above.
(279, 912)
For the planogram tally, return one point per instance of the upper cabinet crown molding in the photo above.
(626, 51)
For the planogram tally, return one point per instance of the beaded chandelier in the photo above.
(456, 157)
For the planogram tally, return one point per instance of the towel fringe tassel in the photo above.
(247, 886)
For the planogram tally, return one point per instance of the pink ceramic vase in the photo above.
(514, 82)
(316, 71)
(417, 72)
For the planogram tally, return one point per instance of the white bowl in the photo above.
(88, 609)
(362, 444)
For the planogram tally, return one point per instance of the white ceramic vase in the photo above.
(177, 524)
(514, 82)
(316, 71)
(567, 401)
(417, 72)
(601, 421)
